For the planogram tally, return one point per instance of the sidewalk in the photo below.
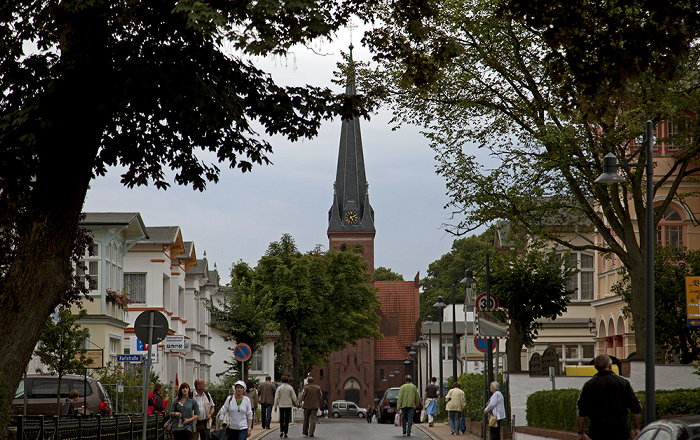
(441, 431)
(259, 433)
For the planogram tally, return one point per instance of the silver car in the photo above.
(342, 408)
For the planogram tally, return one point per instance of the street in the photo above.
(348, 428)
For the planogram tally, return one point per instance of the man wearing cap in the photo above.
(312, 397)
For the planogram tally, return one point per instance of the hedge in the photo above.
(556, 409)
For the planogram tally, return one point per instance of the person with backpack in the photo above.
(155, 400)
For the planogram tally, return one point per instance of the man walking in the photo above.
(206, 409)
(266, 391)
(312, 397)
(605, 399)
(408, 401)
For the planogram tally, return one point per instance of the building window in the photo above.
(677, 126)
(671, 229)
(320, 374)
(574, 354)
(582, 282)
(447, 349)
(114, 350)
(135, 284)
(257, 360)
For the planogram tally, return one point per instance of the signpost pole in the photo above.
(147, 372)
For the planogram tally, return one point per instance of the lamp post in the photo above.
(454, 336)
(412, 353)
(440, 305)
(610, 176)
(429, 323)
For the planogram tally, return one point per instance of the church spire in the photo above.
(351, 210)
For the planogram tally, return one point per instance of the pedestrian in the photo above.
(408, 400)
(240, 413)
(325, 408)
(206, 409)
(266, 394)
(431, 394)
(285, 399)
(497, 407)
(156, 405)
(312, 397)
(605, 400)
(68, 410)
(252, 394)
(455, 405)
(186, 412)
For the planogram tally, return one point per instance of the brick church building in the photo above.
(361, 372)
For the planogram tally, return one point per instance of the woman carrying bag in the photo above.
(498, 410)
(184, 413)
(240, 413)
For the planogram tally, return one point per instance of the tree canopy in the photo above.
(86, 85)
(317, 301)
(384, 274)
(532, 286)
(479, 83)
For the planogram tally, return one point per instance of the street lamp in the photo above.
(454, 336)
(440, 305)
(412, 353)
(403, 371)
(610, 176)
(429, 323)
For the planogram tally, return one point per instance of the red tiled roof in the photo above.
(389, 349)
(400, 298)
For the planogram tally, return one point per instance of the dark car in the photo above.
(40, 391)
(678, 428)
(387, 405)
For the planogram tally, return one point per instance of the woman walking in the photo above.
(498, 408)
(455, 405)
(240, 413)
(285, 399)
(186, 412)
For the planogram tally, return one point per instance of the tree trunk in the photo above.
(65, 147)
(638, 306)
(514, 345)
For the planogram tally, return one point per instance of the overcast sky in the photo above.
(237, 218)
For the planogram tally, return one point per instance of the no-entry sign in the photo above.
(482, 345)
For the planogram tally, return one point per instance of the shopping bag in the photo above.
(493, 421)
(397, 419)
(463, 425)
(168, 428)
(219, 434)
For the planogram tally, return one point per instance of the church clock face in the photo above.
(351, 217)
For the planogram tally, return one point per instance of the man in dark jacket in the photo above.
(605, 399)
(312, 398)
(266, 391)
(68, 410)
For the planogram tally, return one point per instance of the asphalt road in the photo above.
(350, 429)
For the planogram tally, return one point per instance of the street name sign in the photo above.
(175, 343)
(128, 358)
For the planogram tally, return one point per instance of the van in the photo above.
(40, 392)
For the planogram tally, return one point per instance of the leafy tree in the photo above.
(145, 85)
(384, 274)
(671, 266)
(242, 314)
(320, 302)
(596, 49)
(480, 80)
(467, 253)
(62, 347)
(531, 286)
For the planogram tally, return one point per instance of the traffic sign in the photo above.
(160, 326)
(482, 345)
(175, 343)
(242, 352)
(128, 358)
(485, 301)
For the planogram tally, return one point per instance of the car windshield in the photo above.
(392, 394)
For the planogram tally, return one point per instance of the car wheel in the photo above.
(361, 415)
(336, 415)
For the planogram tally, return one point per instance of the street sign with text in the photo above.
(128, 358)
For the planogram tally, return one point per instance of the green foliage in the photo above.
(556, 409)
(384, 274)
(671, 266)
(131, 400)
(62, 344)
(466, 253)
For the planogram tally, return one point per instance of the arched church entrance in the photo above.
(352, 391)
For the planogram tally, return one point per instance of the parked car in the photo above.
(387, 405)
(343, 408)
(678, 428)
(40, 391)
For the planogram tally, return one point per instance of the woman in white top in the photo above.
(240, 413)
(497, 406)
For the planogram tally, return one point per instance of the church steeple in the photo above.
(351, 210)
